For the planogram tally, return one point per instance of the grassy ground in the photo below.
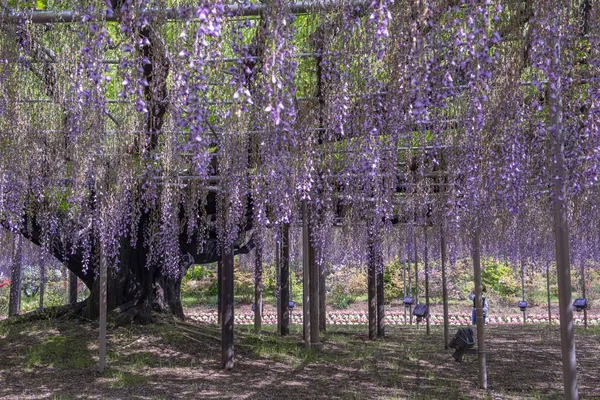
(57, 360)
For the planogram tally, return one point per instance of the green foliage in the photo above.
(393, 281)
(499, 278)
(243, 285)
(342, 300)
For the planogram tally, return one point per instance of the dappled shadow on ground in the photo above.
(53, 359)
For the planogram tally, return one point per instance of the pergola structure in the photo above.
(144, 136)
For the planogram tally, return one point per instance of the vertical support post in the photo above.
(479, 307)
(305, 276)
(102, 313)
(416, 268)
(548, 291)
(322, 299)
(42, 277)
(585, 321)
(315, 339)
(284, 294)
(426, 261)
(561, 226)
(219, 289)
(227, 316)
(278, 279)
(444, 283)
(14, 301)
(404, 282)
(380, 295)
(371, 283)
(410, 316)
(72, 288)
(258, 312)
(523, 289)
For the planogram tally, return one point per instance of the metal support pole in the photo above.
(284, 294)
(523, 289)
(278, 280)
(426, 261)
(103, 300)
(444, 284)
(585, 321)
(14, 301)
(258, 312)
(305, 276)
(404, 279)
(227, 317)
(371, 283)
(479, 307)
(561, 226)
(315, 339)
(416, 269)
(548, 292)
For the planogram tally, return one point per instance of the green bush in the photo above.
(500, 278)
(342, 301)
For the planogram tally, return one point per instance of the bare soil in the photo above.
(170, 360)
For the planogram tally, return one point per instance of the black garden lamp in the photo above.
(523, 305)
(580, 304)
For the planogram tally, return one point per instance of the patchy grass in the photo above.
(65, 351)
(58, 359)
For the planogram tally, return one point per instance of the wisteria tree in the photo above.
(158, 134)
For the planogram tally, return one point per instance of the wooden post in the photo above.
(426, 261)
(523, 289)
(14, 301)
(410, 291)
(479, 307)
(444, 284)
(561, 226)
(416, 269)
(585, 321)
(42, 278)
(284, 293)
(322, 298)
(103, 287)
(404, 281)
(380, 296)
(371, 283)
(315, 339)
(219, 288)
(227, 317)
(258, 312)
(278, 280)
(548, 291)
(305, 276)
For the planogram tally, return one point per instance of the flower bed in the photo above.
(397, 318)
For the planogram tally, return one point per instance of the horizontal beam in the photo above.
(172, 14)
